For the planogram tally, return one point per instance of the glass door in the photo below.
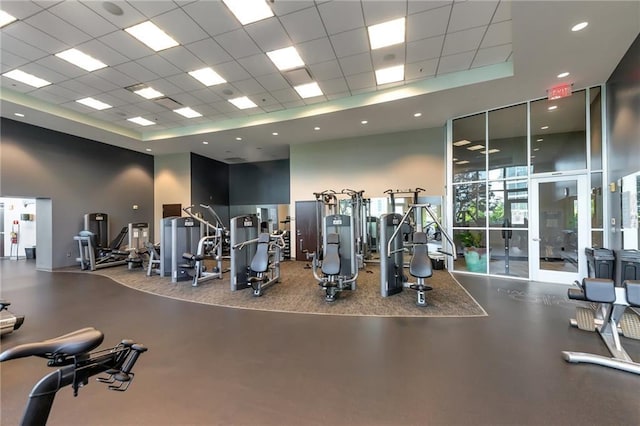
(559, 228)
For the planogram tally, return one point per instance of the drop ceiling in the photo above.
(460, 57)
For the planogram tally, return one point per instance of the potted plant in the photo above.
(475, 256)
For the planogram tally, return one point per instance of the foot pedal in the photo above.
(630, 325)
(585, 319)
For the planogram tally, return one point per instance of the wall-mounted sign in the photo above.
(559, 91)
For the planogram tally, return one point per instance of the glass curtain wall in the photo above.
(494, 156)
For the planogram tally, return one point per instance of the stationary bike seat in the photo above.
(74, 343)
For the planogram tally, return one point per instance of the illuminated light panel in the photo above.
(205, 143)
(187, 112)
(5, 18)
(308, 90)
(207, 76)
(243, 103)
(148, 149)
(539, 140)
(364, 122)
(563, 75)
(463, 162)
(149, 93)
(461, 142)
(286, 59)
(390, 75)
(238, 138)
(275, 133)
(491, 151)
(94, 103)
(148, 33)
(417, 114)
(248, 11)
(475, 147)
(27, 78)
(316, 128)
(81, 60)
(552, 107)
(141, 121)
(18, 114)
(544, 127)
(386, 33)
(580, 26)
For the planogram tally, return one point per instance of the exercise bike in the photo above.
(71, 352)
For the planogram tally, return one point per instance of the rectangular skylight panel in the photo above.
(27, 78)
(81, 60)
(475, 147)
(149, 93)
(207, 76)
(248, 11)
(148, 33)
(141, 121)
(286, 59)
(187, 112)
(94, 103)
(243, 102)
(5, 18)
(387, 34)
(461, 142)
(390, 75)
(308, 90)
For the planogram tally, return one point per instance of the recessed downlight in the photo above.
(539, 140)
(148, 33)
(18, 114)
(316, 128)
(544, 127)
(552, 107)
(275, 133)
(364, 122)
(580, 26)
(238, 138)
(148, 149)
(563, 74)
(417, 114)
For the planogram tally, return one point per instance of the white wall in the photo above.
(13, 209)
(172, 184)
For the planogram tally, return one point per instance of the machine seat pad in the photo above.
(599, 290)
(420, 266)
(576, 294)
(74, 343)
(331, 258)
(260, 261)
(192, 257)
(633, 292)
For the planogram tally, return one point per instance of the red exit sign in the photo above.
(559, 91)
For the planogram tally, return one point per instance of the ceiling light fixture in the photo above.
(248, 11)
(475, 147)
(580, 26)
(81, 60)
(18, 114)
(148, 149)
(552, 107)
(187, 112)
(463, 162)
(27, 78)
(539, 140)
(563, 75)
(316, 128)
(148, 93)
(238, 138)
(205, 143)
(286, 59)
(387, 33)
(390, 75)
(536, 149)
(207, 76)
(141, 121)
(148, 33)
(275, 133)
(308, 90)
(5, 18)
(94, 103)
(544, 127)
(461, 142)
(417, 114)
(243, 102)
(364, 122)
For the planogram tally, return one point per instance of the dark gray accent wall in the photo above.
(623, 110)
(266, 182)
(79, 176)
(210, 185)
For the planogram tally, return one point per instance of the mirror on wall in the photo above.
(272, 217)
(630, 211)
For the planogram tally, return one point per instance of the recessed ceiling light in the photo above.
(539, 140)
(248, 11)
(141, 121)
(563, 75)
(286, 59)
(148, 33)
(463, 162)
(238, 138)
(475, 147)
(148, 149)
(308, 90)
(187, 112)
(387, 33)
(544, 127)
(417, 114)
(454, 159)
(275, 133)
(27, 78)
(316, 128)
(580, 26)
(390, 75)
(491, 151)
(364, 122)
(536, 149)
(207, 76)
(461, 142)
(552, 107)
(243, 102)
(81, 60)
(5, 18)
(94, 103)
(18, 114)
(205, 143)
(533, 156)
(149, 93)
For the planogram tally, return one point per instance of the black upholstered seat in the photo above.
(420, 265)
(74, 343)
(260, 261)
(331, 258)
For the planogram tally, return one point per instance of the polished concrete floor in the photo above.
(210, 365)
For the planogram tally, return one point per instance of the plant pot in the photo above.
(475, 259)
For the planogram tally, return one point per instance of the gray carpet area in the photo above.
(298, 292)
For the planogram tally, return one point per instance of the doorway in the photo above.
(559, 227)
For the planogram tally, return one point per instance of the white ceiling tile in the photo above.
(96, 82)
(471, 14)
(273, 108)
(416, 6)
(129, 17)
(102, 52)
(116, 77)
(10, 61)
(232, 71)
(61, 67)
(207, 96)
(336, 85)
(164, 86)
(78, 87)
(304, 25)
(453, 63)
(153, 8)
(273, 81)
(428, 24)
(492, 55)
(376, 12)
(388, 56)
(159, 65)
(182, 58)
(17, 86)
(365, 80)
(210, 52)
(258, 65)
(335, 96)
(225, 107)
(75, 106)
(294, 104)
(421, 69)
(212, 16)
(249, 87)
(286, 7)
(316, 51)
(180, 26)
(83, 18)
(463, 41)
(61, 92)
(315, 100)
(238, 44)
(34, 37)
(356, 64)
(503, 12)
(137, 72)
(126, 45)
(268, 34)
(424, 49)
(497, 34)
(326, 70)
(46, 3)
(286, 95)
(44, 72)
(185, 82)
(350, 42)
(19, 8)
(190, 100)
(19, 48)
(368, 89)
(340, 16)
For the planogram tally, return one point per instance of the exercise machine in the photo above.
(71, 353)
(209, 247)
(611, 303)
(9, 322)
(98, 224)
(255, 256)
(138, 238)
(92, 256)
(178, 235)
(360, 208)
